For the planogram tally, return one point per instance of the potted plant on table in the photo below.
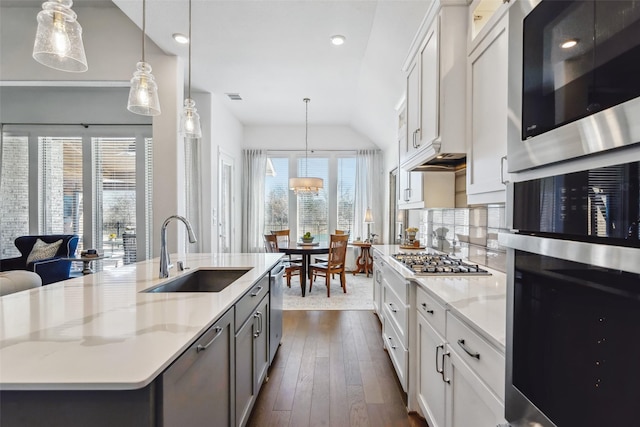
(307, 238)
(411, 234)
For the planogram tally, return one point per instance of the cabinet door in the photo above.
(252, 360)
(429, 87)
(431, 386)
(469, 402)
(261, 343)
(487, 100)
(245, 369)
(197, 389)
(413, 112)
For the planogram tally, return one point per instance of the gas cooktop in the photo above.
(425, 264)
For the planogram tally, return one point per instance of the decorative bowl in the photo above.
(307, 240)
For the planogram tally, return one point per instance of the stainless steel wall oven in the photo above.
(573, 79)
(573, 301)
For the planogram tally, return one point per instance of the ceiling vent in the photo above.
(234, 96)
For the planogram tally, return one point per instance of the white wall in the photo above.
(321, 137)
(112, 44)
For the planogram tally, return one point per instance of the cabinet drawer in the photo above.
(395, 281)
(250, 300)
(397, 352)
(487, 362)
(396, 312)
(432, 310)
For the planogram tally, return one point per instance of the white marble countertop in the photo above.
(98, 332)
(480, 301)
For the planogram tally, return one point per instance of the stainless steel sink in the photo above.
(209, 280)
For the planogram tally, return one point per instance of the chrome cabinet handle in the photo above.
(395, 310)
(258, 315)
(256, 293)
(391, 341)
(201, 347)
(467, 350)
(438, 370)
(406, 194)
(424, 306)
(417, 144)
(444, 377)
(503, 159)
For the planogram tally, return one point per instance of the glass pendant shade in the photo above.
(58, 41)
(190, 120)
(143, 94)
(306, 185)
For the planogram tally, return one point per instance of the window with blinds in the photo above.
(313, 209)
(346, 193)
(60, 195)
(277, 194)
(14, 193)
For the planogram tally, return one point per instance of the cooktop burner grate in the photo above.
(425, 264)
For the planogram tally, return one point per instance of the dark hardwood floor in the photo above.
(331, 370)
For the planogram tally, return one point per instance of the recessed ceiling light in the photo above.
(569, 43)
(181, 38)
(338, 40)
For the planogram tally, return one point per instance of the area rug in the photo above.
(359, 294)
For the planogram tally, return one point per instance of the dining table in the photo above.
(306, 250)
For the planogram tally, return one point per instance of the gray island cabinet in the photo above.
(213, 381)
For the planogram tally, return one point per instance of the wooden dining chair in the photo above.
(284, 239)
(323, 259)
(334, 265)
(290, 268)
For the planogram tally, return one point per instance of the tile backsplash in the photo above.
(466, 232)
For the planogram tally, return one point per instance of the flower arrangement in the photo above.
(412, 230)
(112, 236)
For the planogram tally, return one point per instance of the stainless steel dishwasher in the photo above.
(276, 285)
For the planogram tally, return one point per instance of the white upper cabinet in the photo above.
(487, 115)
(435, 70)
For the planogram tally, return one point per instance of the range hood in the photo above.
(431, 159)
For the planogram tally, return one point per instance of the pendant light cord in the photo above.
(306, 137)
(190, 43)
(144, 25)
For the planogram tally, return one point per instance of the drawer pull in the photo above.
(395, 310)
(391, 341)
(470, 352)
(258, 315)
(201, 347)
(424, 306)
(256, 293)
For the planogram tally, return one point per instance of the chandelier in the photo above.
(306, 184)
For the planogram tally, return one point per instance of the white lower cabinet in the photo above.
(395, 333)
(469, 402)
(430, 384)
(459, 375)
(377, 284)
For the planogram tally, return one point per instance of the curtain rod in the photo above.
(84, 125)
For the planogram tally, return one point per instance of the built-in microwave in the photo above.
(574, 83)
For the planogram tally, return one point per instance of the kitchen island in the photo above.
(100, 333)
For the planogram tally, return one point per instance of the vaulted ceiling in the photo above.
(275, 53)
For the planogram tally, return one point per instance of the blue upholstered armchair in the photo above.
(49, 266)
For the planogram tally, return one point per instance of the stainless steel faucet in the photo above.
(165, 262)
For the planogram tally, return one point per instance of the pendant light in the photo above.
(58, 41)
(143, 95)
(190, 119)
(306, 184)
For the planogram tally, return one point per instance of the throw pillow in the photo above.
(42, 250)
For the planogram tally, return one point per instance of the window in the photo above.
(313, 209)
(346, 193)
(14, 193)
(318, 214)
(277, 194)
(94, 182)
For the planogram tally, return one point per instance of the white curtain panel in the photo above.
(254, 169)
(369, 193)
